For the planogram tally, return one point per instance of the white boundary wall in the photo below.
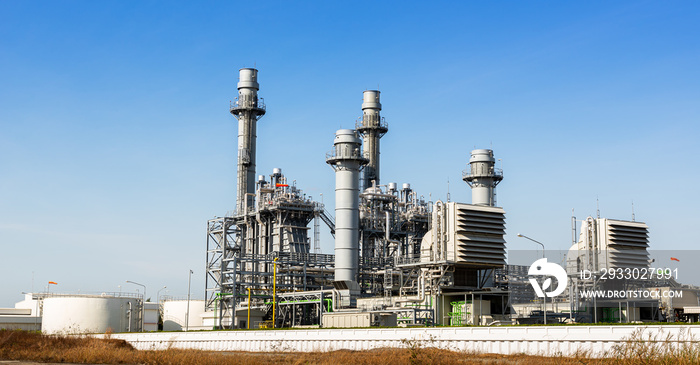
(539, 340)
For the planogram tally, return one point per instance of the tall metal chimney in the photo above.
(247, 108)
(346, 159)
(372, 128)
(483, 177)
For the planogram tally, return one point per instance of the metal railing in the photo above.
(247, 103)
(371, 122)
(494, 172)
(355, 154)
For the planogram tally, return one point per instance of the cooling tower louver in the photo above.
(627, 243)
(478, 235)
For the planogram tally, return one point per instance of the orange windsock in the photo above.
(53, 282)
(675, 259)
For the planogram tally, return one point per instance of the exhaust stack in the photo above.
(248, 109)
(483, 177)
(372, 128)
(347, 160)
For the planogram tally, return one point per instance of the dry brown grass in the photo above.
(21, 345)
(658, 348)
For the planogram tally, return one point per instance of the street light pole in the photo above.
(544, 299)
(187, 317)
(143, 303)
(158, 295)
(540, 243)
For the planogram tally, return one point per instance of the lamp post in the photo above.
(544, 299)
(158, 295)
(143, 306)
(187, 316)
(540, 243)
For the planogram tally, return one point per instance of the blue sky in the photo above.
(116, 144)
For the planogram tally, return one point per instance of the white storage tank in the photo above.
(90, 314)
(175, 313)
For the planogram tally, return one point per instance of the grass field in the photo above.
(33, 346)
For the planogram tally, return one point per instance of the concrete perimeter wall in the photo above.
(596, 340)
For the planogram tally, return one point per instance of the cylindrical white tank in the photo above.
(483, 177)
(175, 315)
(346, 160)
(90, 314)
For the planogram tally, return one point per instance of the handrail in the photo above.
(495, 173)
(373, 122)
(247, 102)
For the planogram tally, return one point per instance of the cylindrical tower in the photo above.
(372, 128)
(247, 108)
(346, 159)
(483, 177)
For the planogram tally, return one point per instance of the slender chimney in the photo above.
(346, 159)
(372, 129)
(247, 108)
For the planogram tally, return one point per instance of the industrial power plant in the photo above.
(399, 259)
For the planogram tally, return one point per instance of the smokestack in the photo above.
(373, 128)
(247, 108)
(483, 177)
(346, 159)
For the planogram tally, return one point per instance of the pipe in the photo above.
(274, 292)
(129, 328)
(248, 324)
(421, 291)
